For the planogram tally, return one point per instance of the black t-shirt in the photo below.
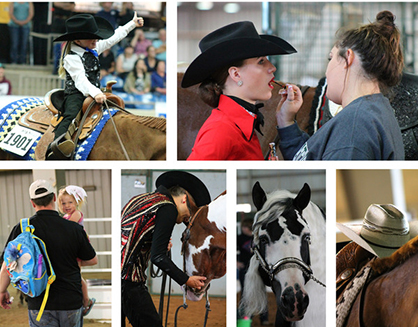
(65, 242)
(106, 61)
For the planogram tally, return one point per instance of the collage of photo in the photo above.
(291, 125)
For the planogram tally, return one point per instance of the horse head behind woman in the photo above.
(289, 247)
(204, 245)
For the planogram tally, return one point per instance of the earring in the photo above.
(239, 83)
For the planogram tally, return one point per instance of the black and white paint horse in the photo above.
(289, 256)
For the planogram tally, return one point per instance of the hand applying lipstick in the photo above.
(289, 105)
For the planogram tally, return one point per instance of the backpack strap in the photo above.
(51, 279)
(24, 223)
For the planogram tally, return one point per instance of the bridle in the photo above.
(184, 240)
(285, 263)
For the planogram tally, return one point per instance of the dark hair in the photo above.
(247, 222)
(379, 46)
(177, 190)
(45, 200)
(211, 89)
(144, 73)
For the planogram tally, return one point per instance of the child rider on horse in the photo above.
(80, 67)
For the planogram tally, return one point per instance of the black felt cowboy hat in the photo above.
(189, 182)
(228, 44)
(86, 27)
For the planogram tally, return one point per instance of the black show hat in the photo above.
(228, 44)
(86, 27)
(189, 182)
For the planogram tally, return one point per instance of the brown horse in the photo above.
(204, 245)
(144, 138)
(192, 113)
(391, 298)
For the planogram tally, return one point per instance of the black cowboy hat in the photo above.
(189, 182)
(86, 27)
(228, 44)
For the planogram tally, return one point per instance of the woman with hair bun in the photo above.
(234, 73)
(364, 64)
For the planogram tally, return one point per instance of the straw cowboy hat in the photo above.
(189, 182)
(383, 231)
(228, 44)
(86, 27)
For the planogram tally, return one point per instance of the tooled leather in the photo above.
(349, 261)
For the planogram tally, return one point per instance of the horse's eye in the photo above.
(264, 239)
(307, 238)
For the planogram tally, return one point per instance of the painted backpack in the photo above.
(27, 264)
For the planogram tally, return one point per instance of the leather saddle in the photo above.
(350, 260)
(45, 118)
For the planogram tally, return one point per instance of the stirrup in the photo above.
(61, 150)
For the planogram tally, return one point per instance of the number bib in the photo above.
(19, 140)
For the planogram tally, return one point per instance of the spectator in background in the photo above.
(140, 43)
(125, 62)
(61, 11)
(5, 85)
(150, 60)
(138, 80)
(4, 32)
(21, 14)
(159, 45)
(244, 254)
(125, 16)
(158, 79)
(110, 14)
(107, 63)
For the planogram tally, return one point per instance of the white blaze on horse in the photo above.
(204, 245)
(289, 256)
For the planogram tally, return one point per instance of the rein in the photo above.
(285, 263)
(116, 130)
(184, 239)
(185, 306)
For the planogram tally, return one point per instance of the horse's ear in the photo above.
(259, 196)
(302, 199)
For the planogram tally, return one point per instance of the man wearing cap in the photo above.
(5, 85)
(65, 242)
(147, 224)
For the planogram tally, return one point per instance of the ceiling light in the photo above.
(204, 5)
(232, 8)
(244, 207)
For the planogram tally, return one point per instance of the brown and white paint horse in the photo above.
(204, 245)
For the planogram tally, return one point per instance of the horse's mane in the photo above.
(151, 122)
(279, 200)
(383, 265)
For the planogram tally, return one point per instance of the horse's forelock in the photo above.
(276, 204)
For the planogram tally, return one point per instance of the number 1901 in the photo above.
(18, 141)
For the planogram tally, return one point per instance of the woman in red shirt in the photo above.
(234, 73)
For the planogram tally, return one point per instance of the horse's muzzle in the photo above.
(195, 295)
(293, 303)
